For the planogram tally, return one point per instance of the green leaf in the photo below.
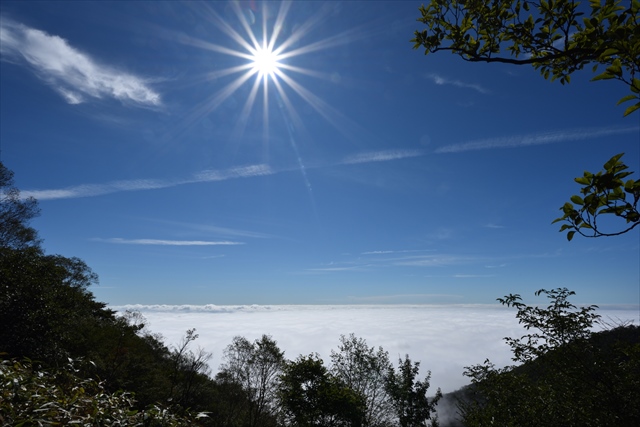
(570, 235)
(604, 76)
(583, 180)
(609, 52)
(631, 109)
(612, 161)
(577, 200)
(626, 98)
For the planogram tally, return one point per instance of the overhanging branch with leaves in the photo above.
(557, 37)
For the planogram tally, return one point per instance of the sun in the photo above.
(265, 62)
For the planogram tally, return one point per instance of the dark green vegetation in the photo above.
(568, 376)
(557, 37)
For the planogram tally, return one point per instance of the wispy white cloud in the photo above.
(472, 276)
(381, 156)
(536, 139)
(73, 74)
(91, 190)
(434, 260)
(439, 80)
(217, 230)
(441, 233)
(158, 242)
(400, 298)
(371, 260)
(496, 226)
(210, 175)
(496, 266)
(332, 269)
(394, 252)
(238, 172)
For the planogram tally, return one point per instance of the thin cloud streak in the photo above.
(444, 81)
(331, 269)
(238, 172)
(92, 190)
(472, 276)
(159, 242)
(405, 251)
(435, 261)
(73, 74)
(382, 299)
(381, 156)
(220, 231)
(372, 260)
(535, 139)
(495, 226)
(211, 175)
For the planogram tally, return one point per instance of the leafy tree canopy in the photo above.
(557, 325)
(311, 396)
(409, 395)
(557, 37)
(15, 214)
(365, 370)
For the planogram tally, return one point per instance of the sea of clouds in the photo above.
(443, 338)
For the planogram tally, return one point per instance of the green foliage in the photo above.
(311, 396)
(255, 368)
(365, 371)
(605, 192)
(557, 325)
(554, 36)
(44, 304)
(409, 396)
(570, 376)
(32, 396)
(190, 372)
(15, 214)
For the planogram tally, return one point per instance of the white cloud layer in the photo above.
(444, 338)
(535, 139)
(73, 74)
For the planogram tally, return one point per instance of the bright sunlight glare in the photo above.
(265, 62)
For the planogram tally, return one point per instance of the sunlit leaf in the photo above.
(577, 200)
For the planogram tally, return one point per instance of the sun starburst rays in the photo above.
(263, 55)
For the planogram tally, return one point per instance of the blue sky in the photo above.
(369, 173)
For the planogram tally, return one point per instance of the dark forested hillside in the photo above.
(592, 381)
